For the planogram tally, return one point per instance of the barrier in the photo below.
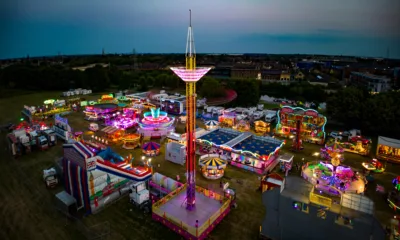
(189, 231)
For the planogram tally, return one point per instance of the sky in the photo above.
(340, 27)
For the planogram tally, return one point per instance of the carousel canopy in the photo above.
(213, 163)
(211, 123)
(151, 146)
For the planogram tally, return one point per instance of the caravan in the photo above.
(270, 116)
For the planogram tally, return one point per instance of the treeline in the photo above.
(374, 114)
(299, 91)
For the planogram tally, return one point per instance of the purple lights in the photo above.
(125, 122)
(190, 75)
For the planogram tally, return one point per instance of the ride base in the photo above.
(210, 209)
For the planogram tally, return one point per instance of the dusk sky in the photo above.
(339, 27)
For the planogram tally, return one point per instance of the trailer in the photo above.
(139, 196)
(50, 177)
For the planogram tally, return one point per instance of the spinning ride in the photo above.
(394, 196)
(212, 167)
(333, 152)
(333, 177)
(131, 141)
(156, 123)
(374, 165)
(151, 149)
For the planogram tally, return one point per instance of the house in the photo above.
(285, 76)
(295, 210)
(274, 75)
(371, 82)
(299, 76)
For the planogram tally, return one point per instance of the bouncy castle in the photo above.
(97, 177)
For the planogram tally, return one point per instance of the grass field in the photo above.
(27, 207)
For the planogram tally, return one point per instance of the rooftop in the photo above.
(371, 76)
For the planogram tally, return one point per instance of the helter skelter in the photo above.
(190, 75)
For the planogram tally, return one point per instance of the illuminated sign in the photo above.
(60, 119)
(287, 110)
(311, 113)
(91, 164)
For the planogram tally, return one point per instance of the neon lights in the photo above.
(190, 75)
(307, 112)
(225, 147)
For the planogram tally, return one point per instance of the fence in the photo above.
(190, 229)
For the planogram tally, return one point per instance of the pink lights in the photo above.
(190, 75)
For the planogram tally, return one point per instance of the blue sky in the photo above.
(346, 27)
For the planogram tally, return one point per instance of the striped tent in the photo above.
(211, 124)
(151, 146)
(212, 163)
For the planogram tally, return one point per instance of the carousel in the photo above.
(131, 141)
(212, 167)
(151, 149)
(211, 125)
(261, 127)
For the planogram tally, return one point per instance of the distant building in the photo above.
(220, 71)
(274, 75)
(306, 65)
(285, 76)
(245, 71)
(295, 211)
(299, 76)
(84, 68)
(371, 82)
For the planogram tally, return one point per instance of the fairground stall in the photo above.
(156, 124)
(107, 99)
(96, 178)
(261, 127)
(388, 149)
(307, 123)
(374, 165)
(151, 149)
(212, 166)
(242, 126)
(244, 150)
(227, 119)
(113, 134)
(353, 143)
(99, 111)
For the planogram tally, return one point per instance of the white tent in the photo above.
(212, 124)
(390, 142)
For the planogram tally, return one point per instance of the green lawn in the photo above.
(27, 207)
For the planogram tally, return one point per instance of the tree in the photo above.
(211, 88)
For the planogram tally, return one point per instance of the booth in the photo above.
(113, 134)
(151, 149)
(242, 126)
(227, 119)
(261, 127)
(388, 149)
(212, 167)
(131, 141)
(175, 152)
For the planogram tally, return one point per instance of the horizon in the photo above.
(361, 28)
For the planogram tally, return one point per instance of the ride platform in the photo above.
(210, 209)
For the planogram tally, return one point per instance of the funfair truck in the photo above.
(22, 141)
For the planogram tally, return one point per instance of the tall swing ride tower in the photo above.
(190, 74)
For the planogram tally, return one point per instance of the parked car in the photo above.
(336, 135)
